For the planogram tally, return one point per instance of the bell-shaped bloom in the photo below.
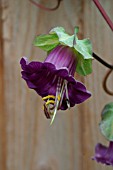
(104, 154)
(54, 80)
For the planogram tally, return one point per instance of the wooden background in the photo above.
(27, 141)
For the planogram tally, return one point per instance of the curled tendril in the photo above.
(107, 75)
(46, 8)
(105, 83)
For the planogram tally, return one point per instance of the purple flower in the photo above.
(104, 154)
(54, 80)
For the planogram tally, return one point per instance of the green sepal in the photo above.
(82, 48)
(84, 66)
(64, 38)
(106, 124)
(46, 42)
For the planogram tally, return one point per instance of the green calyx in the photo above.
(82, 48)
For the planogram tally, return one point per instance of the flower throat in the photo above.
(53, 103)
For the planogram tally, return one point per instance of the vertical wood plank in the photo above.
(28, 142)
(101, 36)
(2, 112)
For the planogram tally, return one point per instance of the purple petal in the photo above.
(43, 78)
(104, 154)
(31, 67)
(78, 92)
(23, 63)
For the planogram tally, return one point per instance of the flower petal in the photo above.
(77, 93)
(43, 78)
(104, 154)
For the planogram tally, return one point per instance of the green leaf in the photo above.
(46, 42)
(84, 66)
(84, 47)
(106, 124)
(64, 38)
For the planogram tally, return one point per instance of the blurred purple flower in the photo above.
(104, 154)
(54, 80)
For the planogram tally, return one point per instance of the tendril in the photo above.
(105, 83)
(46, 8)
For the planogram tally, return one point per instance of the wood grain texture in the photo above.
(2, 108)
(27, 141)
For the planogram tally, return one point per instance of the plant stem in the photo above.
(46, 8)
(105, 83)
(104, 14)
(102, 61)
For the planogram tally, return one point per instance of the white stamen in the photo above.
(55, 111)
(58, 88)
(59, 91)
(54, 104)
(67, 95)
(62, 93)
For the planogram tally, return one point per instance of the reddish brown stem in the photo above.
(110, 23)
(104, 14)
(105, 83)
(46, 8)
